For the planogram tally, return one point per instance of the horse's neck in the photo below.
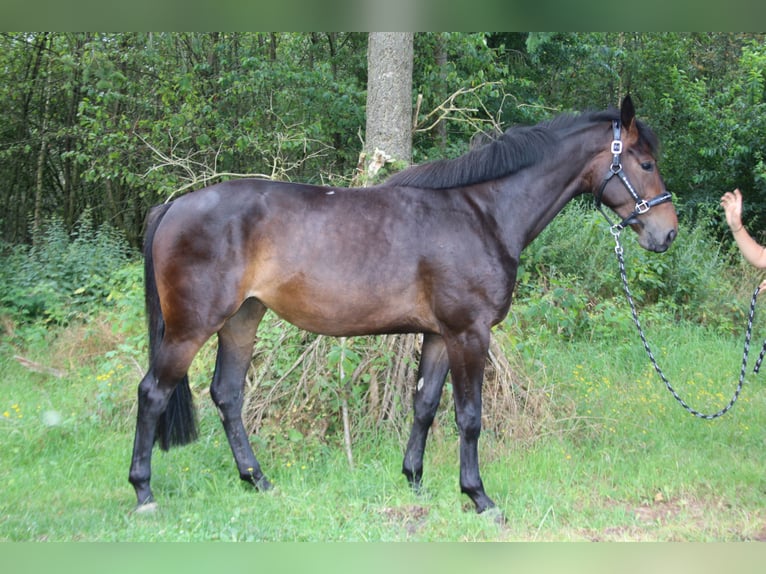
(544, 189)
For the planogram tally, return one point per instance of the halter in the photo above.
(642, 205)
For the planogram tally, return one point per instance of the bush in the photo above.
(60, 276)
(569, 281)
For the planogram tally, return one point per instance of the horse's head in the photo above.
(632, 185)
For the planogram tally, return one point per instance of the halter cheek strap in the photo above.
(642, 205)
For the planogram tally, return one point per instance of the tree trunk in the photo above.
(389, 97)
(388, 139)
(41, 155)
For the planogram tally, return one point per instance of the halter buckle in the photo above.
(616, 147)
(642, 207)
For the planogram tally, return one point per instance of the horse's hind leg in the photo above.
(235, 347)
(167, 371)
(432, 373)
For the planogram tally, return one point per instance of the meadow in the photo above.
(617, 459)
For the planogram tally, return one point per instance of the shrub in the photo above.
(60, 276)
(569, 278)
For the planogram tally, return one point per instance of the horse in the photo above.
(433, 249)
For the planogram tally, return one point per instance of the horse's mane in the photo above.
(514, 150)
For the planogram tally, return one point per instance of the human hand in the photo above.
(732, 206)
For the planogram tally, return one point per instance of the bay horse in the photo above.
(434, 249)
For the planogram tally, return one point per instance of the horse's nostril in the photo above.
(672, 236)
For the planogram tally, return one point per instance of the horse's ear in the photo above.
(627, 112)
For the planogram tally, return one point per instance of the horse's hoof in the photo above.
(146, 508)
(416, 485)
(496, 515)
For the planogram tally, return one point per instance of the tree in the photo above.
(389, 97)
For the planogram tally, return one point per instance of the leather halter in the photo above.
(642, 205)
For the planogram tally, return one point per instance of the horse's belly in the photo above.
(346, 310)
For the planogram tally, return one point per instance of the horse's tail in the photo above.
(177, 425)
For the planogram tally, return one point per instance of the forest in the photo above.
(110, 124)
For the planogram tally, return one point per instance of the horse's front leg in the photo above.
(467, 356)
(432, 372)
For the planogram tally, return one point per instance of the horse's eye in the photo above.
(647, 166)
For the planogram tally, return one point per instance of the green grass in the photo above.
(618, 460)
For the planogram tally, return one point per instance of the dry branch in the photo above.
(38, 368)
(198, 168)
(514, 405)
(450, 110)
(197, 173)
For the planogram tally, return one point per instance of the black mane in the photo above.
(516, 149)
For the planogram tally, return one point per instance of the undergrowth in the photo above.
(62, 277)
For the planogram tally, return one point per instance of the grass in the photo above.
(620, 460)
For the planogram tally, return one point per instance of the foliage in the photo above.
(117, 122)
(63, 277)
(702, 93)
(133, 117)
(569, 282)
(568, 288)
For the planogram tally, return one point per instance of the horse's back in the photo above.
(320, 257)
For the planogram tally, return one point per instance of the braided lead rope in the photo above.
(760, 359)
(619, 252)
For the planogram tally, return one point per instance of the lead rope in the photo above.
(760, 359)
(619, 252)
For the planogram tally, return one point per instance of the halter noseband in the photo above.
(642, 205)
